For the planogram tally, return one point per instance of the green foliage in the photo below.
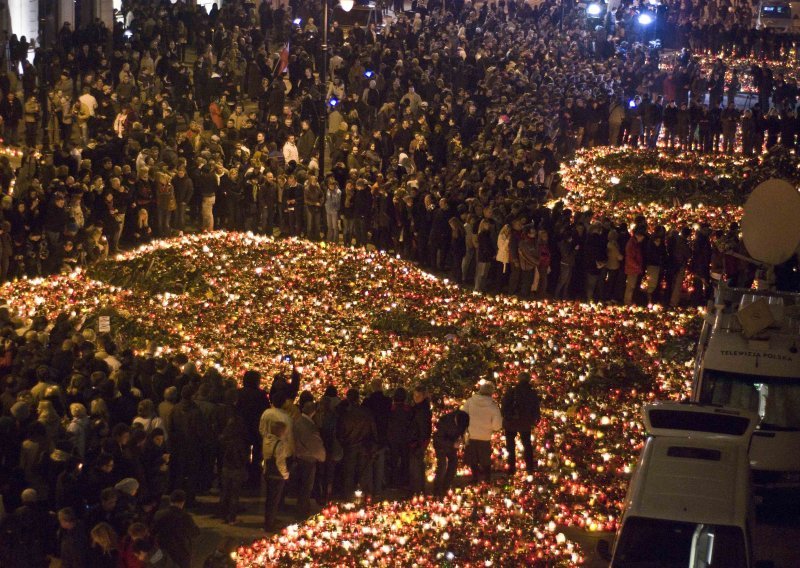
(158, 272)
(468, 359)
(129, 330)
(407, 322)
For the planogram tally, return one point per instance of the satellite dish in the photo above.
(771, 222)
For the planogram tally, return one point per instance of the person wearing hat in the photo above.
(521, 413)
(484, 420)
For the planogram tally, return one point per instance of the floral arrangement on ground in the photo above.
(350, 315)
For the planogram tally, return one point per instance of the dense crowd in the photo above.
(94, 438)
(444, 138)
(445, 132)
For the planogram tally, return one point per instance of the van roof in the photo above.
(694, 479)
(771, 352)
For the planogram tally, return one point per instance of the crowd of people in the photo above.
(445, 130)
(443, 134)
(95, 438)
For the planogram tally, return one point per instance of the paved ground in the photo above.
(248, 529)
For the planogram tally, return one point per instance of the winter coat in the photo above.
(503, 246)
(175, 530)
(613, 253)
(333, 201)
(308, 445)
(450, 428)
(421, 428)
(184, 188)
(233, 445)
(485, 248)
(484, 416)
(188, 427)
(634, 261)
(380, 406)
(520, 408)
(656, 254)
(399, 425)
(528, 253)
(305, 145)
(356, 427)
(270, 416)
(596, 256)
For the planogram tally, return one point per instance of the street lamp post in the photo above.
(346, 5)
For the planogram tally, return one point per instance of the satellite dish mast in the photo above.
(771, 227)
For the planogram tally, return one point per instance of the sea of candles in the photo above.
(239, 301)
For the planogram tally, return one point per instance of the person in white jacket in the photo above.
(484, 420)
(290, 151)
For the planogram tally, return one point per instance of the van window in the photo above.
(775, 399)
(669, 419)
(658, 543)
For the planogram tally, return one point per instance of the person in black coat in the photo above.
(25, 533)
(73, 541)
(251, 402)
(362, 209)
(397, 431)
(357, 434)
(596, 258)
(235, 454)
(188, 434)
(184, 189)
(439, 237)
(11, 112)
(700, 264)
(380, 406)
(419, 437)
(520, 410)
(175, 530)
(449, 430)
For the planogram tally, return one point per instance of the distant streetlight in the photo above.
(594, 10)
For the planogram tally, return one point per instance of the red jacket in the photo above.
(634, 263)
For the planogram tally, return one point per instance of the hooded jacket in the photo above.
(484, 416)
